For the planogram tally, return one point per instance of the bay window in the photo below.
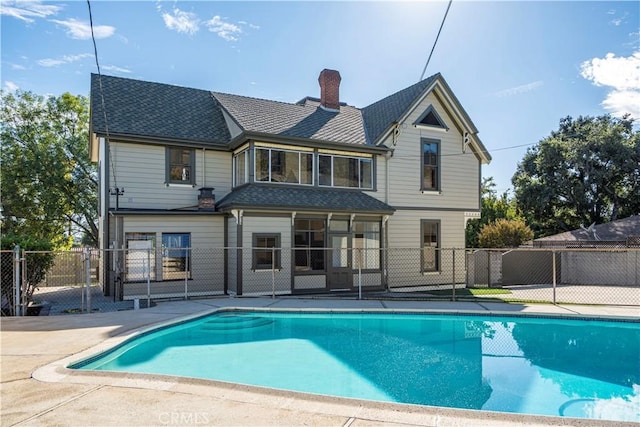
(240, 168)
(293, 167)
(343, 171)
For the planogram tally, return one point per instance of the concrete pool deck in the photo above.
(37, 389)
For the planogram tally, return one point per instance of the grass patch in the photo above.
(470, 292)
(79, 311)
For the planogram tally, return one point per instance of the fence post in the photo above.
(148, 277)
(453, 256)
(186, 274)
(553, 263)
(488, 268)
(87, 269)
(273, 272)
(23, 283)
(360, 274)
(16, 281)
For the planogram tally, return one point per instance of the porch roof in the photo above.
(274, 197)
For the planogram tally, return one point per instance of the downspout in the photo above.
(386, 177)
(204, 164)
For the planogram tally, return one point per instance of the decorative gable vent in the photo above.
(430, 117)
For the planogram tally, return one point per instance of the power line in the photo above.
(470, 153)
(436, 40)
(104, 110)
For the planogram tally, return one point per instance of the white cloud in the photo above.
(181, 21)
(226, 30)
(621, 102)
(620, 20)
(66, 59)
(115, 68)
(255, 27)
(82, 30)
(28, 10)
(517, 90)
(18, 67)
(10, 86)
(622, 74)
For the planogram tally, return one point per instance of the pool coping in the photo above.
(385, 412)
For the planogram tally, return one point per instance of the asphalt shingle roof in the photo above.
(302, 120)
(147, 109)
(380, 115)
(313, 198)
(617, 230)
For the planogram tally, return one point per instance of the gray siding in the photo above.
(232, 256)
(207, 257)
(459, 172)
(140, 169)
(310, 282)
(404, 228)
(404, 254)
(262, 281)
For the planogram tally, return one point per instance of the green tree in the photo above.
(504, 233)
(493, 207)
(38, 263)
(585, 172)
(49, 185)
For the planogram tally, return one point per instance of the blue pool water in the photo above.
(546, 366)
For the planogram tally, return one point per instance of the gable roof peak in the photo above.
(380, 115)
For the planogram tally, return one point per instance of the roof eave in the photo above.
(406, 112)
(160, 139)
(308, 142)
(289, 208)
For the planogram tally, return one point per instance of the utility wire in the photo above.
(435, 41)
(469, 153)
(104, 110)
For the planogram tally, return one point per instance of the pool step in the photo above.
(227, 323)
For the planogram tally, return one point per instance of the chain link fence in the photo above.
(560, 276)
(90, 280)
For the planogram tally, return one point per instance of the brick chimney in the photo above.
(206, 199)
(330, 89)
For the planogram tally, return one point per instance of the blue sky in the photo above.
(517, 67)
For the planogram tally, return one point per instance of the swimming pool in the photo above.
(545, 366)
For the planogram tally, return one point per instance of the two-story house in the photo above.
(222, 193)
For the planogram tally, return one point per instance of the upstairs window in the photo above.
(180, 165)
(430, 117)
(341, 171)
(285, 166)
(430, 170)
(241, 168)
